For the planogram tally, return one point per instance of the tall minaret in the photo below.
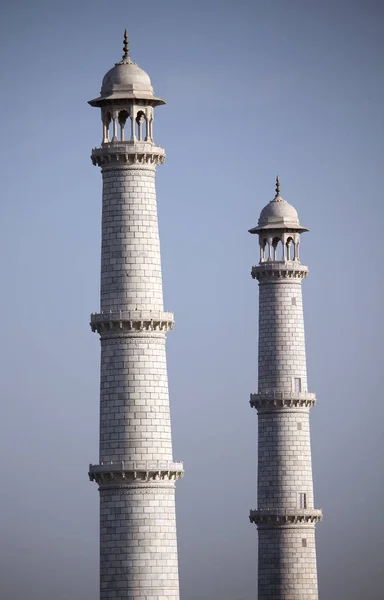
(136, 473)
(286, 516)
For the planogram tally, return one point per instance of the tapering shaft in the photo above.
(130, 250)
(282, 362)
(287, 563)
(135, 419)
(138, 546)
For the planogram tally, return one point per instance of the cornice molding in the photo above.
(135, 321)
(125, 472)
(279, 271)
(270, 517)
(275, 401)
(155, 487)
(122, 154)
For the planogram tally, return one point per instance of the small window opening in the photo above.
(299, 426)
(304, 542)
(303, 500)
(297, 384)
(293, 301)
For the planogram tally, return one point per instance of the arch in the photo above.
(265, 249)
(122, 117)
(262, 244)
(275, 243)
(289, 243)
(107, 119)
(140, 117)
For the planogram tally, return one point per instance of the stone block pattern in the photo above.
(287, 564)
(281, 336)
(138, 547)
(135, 419)
(284, 459)
(130, 251)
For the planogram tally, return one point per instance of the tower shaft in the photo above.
(130, 250)
(136, 472)
(285, 516)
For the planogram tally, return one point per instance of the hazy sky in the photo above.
(253, 88)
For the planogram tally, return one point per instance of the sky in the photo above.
(253, 89)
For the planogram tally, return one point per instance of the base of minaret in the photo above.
(138, 545)
(287, 562)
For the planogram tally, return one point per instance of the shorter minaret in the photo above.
(286, 516)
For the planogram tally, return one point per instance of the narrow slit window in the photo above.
(299, 426)
(293, 301)
(303, 500)
(297, 384)
(304, 542)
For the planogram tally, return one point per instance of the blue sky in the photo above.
(253, 89)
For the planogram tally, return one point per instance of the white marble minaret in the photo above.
(136, 473)
(285, 516)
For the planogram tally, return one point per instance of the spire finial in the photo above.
(125, 47)
(277, 186)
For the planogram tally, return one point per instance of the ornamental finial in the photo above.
(277, 186)
(125, 47)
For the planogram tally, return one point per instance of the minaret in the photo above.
(136, 473)
(286, 516)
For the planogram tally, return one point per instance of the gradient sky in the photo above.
(253, 89)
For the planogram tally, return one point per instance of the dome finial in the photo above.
(125, 47)
(277, 186)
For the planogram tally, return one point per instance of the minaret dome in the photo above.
(278, 223)
(126, 93)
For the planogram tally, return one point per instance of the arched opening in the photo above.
(289, 245)
(275, 243)
(262, 244)
(140, 118)
(107, 130)
(123, 116)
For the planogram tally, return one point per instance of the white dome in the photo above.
(126, 81)
(279, 213)
(126, 77)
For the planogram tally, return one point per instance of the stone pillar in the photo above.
(285, 516)
(136, 471)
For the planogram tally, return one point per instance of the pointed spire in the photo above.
(277, 186)
(125, 47)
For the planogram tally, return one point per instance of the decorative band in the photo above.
(125, 472)
(279, 400)
(119, 156)
(279, 271)
(132, 321)
(279, 516)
